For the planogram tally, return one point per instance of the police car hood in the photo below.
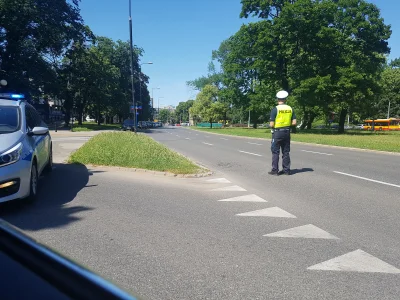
(9, 140)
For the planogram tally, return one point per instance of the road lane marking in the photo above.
(274, 212)
(317, 152)
(207, 136)
(224, 139)
(306, 232)
(356, 261)
(208, 144)
(254, 144)
(177, 135)
(219, 180)
(232, 188)
(246, 198)
(187, 139)
(255, 154)
(367, 179)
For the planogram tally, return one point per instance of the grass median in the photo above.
(125, 149)
(382, 141)
(86, 126)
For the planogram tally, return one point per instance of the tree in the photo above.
(33, 36)
(390, 83)
(164, 115)
(206, 106)
(182, 110)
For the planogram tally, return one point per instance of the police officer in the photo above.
(281, 119)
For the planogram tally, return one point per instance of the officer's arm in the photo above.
(294, 121)
(274, 112)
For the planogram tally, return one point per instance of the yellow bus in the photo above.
(382, 124)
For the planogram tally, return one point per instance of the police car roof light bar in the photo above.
(12, 96)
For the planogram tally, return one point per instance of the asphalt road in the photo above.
(313, 235)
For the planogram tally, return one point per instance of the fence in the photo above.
(214, 125)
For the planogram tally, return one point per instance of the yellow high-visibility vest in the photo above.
(283, 116)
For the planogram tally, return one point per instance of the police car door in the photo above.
(37, 142)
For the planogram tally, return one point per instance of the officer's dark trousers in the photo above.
(281, 140)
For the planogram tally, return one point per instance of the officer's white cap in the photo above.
(282, 95)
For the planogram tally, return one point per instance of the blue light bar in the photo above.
(12, 96)
(17, 96)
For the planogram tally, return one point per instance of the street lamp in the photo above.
(158, 114)
(152, 95)
(140, 81)
(131, 54)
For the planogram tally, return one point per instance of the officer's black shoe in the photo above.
(273, 173)
(286, 173)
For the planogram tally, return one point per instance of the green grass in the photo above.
(86, 126)
(125, 149)
(383, 141)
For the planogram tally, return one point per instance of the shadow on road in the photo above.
(302, 170)
(50, 210)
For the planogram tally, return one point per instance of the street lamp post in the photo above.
(158, 114)
(140, 79)
(152, 99)
(140, 83)
(132, 77)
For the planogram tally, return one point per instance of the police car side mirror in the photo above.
(38, 131)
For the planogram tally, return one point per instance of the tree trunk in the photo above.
(342, 120)
(80, 115)
(311, 117)
(211, 124)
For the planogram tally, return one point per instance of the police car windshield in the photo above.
(9, 119)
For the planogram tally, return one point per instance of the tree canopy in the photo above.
(331, 55)
(46, 51)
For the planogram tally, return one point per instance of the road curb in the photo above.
(304, 143)
(158, 173)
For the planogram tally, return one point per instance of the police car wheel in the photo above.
(49, 166)
(33, 183)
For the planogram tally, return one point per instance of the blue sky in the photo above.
(178, 36)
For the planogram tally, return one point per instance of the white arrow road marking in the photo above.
(307, 232)
(274, 212)
(246, 198)
(219, 180)
(356, 261)
(232, 188)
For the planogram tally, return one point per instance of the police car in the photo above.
(25, 148)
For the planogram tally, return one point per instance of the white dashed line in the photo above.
(255, 154)
(208, 144)
(317, 152)
(187, 139)
(254, 144)
(224, 139)
(177, 135)
(367, 179)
